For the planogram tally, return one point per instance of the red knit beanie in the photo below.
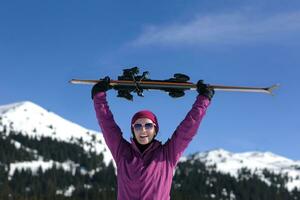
(145, 114)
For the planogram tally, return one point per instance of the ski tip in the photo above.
(74, 81)
(272, 88)
(86, 82)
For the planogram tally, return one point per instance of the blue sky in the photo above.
(43, 44)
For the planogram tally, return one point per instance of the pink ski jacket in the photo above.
(147, 175)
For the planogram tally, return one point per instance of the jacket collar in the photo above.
(154, 144)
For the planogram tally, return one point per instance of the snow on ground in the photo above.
(231, 163)
(67, 192)
(34, 166)
(35, 122)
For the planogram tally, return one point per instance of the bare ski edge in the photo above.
(267, 90)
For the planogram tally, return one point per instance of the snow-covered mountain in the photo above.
(230, 163)
(33, 121)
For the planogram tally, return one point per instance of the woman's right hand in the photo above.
(102, 86)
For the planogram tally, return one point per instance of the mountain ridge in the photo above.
(32, 120)
(256, 162)
(28, 120)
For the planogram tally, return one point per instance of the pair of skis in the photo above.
(132, 82)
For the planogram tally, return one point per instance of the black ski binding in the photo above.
(132, 74)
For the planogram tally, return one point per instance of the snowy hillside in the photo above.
(33, 121)
(231, 163)
(43, 144)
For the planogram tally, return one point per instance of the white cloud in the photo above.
(234, 28)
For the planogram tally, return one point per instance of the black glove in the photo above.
(204, 90)
(101, 86)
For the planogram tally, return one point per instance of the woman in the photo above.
(145, 166)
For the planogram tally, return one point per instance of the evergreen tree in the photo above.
(92, 179)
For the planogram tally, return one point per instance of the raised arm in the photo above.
(187, 129)
(111, 131)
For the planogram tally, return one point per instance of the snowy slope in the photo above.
(34, 121)
(228, 162)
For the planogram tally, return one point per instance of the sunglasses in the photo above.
(147, 126)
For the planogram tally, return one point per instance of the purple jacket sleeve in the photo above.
(111, 131)
(187, 129)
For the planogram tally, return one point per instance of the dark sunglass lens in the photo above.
(149, 126)
(137, 126)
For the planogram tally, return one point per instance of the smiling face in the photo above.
(144, 130)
